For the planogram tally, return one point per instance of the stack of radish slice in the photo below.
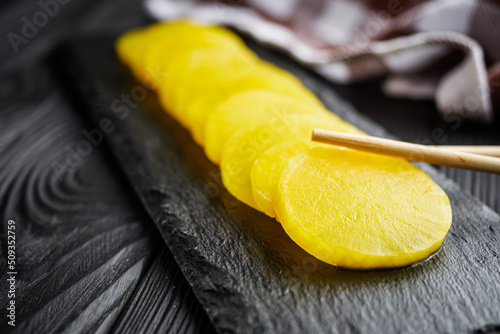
(347, 208)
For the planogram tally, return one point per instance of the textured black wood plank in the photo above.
(247, 273)
(74, 18)
(86, 260)
(163, 302)
(87, 253)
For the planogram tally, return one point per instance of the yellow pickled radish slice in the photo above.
(208, 69)
(168, 35)
(162, 59)
(126, 45)
(244, 147)
(193, 73)
(160, 55)
(133, 46)
(267, 169)
(262, 77)
(130, 48)
(360, 210)
(249, 109)
(171, 72)
(143, 49)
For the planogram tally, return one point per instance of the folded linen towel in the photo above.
(446, 50)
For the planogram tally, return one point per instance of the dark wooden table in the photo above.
(88, 256)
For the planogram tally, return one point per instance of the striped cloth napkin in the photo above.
(446, 50)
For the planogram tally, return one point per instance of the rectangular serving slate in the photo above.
(247, 273)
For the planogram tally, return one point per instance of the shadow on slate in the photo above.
(248, 274)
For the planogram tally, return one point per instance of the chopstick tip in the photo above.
(314, 134)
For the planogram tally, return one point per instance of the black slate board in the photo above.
(249, 276)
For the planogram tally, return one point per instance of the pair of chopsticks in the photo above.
(480, 158)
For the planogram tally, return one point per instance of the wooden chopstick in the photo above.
(493, 151)
(408, 151)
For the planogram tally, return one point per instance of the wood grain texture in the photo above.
(247, 273)
(89, 258)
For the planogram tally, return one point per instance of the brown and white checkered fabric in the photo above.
(446, 50)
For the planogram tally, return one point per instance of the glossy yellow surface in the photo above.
(200, 71)
(245, 147)
(248, 109)
(188, 61)
(360, 210)
(266, 171)
(262, 76)
(267, 168)
(347, 208)
(153, 45)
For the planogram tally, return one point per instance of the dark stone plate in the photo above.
(245, 270)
